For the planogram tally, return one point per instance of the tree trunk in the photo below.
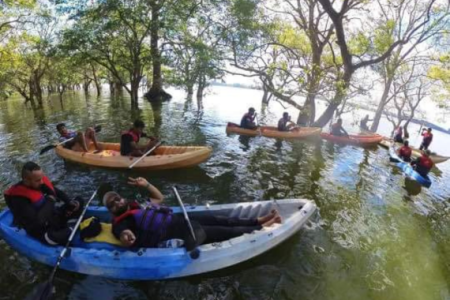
(97, 83)
(190, 91)
(201, 87)
(156, 92)
(340, 95)
(266, 95)
(381, 105)
(135, 92)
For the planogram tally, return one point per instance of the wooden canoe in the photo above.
(362, 140)
(163, 158)
(436, 158)
(272, 131)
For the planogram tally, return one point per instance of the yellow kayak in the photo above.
(163, 158)
(272, 131)
(436, 158)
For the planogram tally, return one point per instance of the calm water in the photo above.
(376, 236)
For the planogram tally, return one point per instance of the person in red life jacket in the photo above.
(405, 152)
(423, 164)
(248, 120)
(81, 141)
(283, 123)
(34, 204)
(129, 141)
(398, 135)
(136, 226)
(337, 129)
(427, 139)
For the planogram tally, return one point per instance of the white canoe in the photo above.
(163, 263)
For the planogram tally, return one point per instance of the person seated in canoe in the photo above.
(33, 204)
(248, 119)
(80, 141)
(363, 123)
(423, 164)
(337, 129)
(398, 135)
(283, 123)
(130, 139)
(405, 152)
(427, 139)
(136, 226)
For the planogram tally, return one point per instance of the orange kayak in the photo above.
(272, 131)
(362, 140)
(165, 157)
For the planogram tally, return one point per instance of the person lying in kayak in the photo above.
(283, 123)
(427, 139)
(405, 152)
(248, 119)
(363, 123)
(80, 142)
(398, 135)
(337, 129)
(423, 164)
(33, 203)
(136, 226)
(129, 141)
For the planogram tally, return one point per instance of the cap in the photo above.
(109, 195)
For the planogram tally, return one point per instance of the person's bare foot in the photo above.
(276, 219)
(273, 213)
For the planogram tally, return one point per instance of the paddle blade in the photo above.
(98, 128)
(47, 148)
(43, 291)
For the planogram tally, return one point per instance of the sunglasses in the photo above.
(110, 204)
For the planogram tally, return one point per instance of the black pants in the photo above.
(210, 229)
(424, 146)
(60, 226)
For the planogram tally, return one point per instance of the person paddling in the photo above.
(283, 123)
(427, 139)
(423, 164)
(136, 226)
(33, 203)
(363, 123)
(248, 119)
(129, 141)
(337, 129)
(405, 152)
(81, 141)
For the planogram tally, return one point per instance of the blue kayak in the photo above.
(111, 261)
(410, 172)
(408, 169)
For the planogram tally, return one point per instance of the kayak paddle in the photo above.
(145, 154)
(97, 128)
(44, 290)
(194, 253)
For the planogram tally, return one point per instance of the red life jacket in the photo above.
(151, 222)
(136, 137)
(36, 197)
(405, 151)
(427, 138)
(426, 162)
